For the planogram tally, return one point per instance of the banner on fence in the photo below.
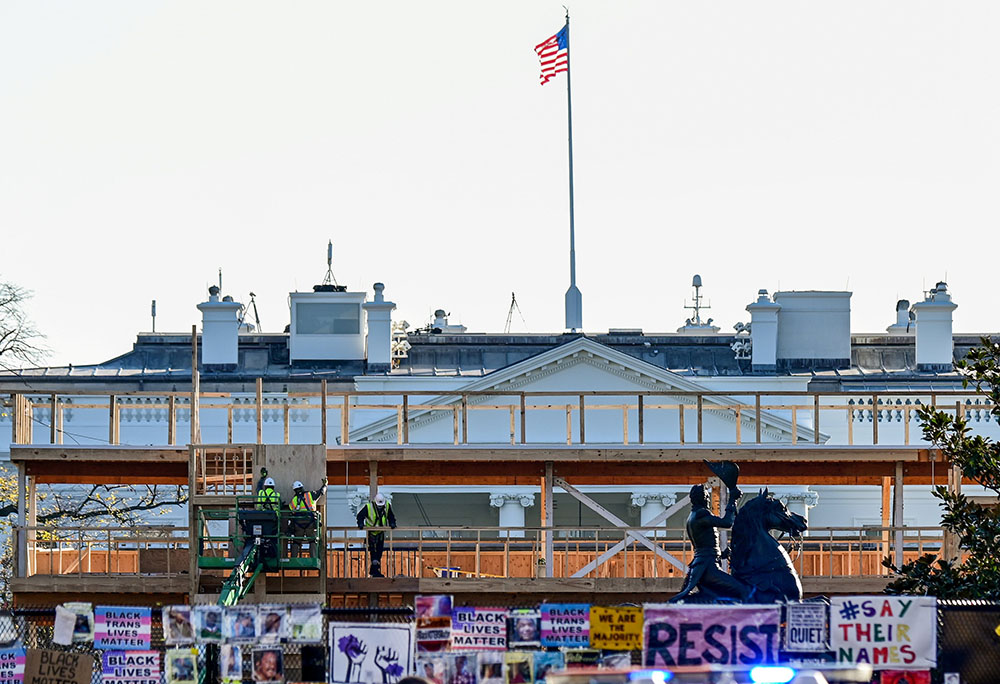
(43, 666)
(707, 635)
(130, 667)
(177, 625)
(11, 665)
(479, 629)
(307, 622)
(369, 652)
(230, 664)
(433, 622)
(182, 665)
(74, 623)
(886, 632)
(523, 629)
(565, 624)
(616, 629)
(805, 627)
(208, 623)
(122, 628)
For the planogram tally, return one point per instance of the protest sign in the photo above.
(565, 624)
(208, 623)
(616, 629)
(307, 622)
(479, 629)
(491, 667)
(433, 667)
(130, 667)
(11, 665)
(122, 628)
(177, 625)
(74, 623)
(805, 627)
(433, 622)
(182, 666)
(42, 666)
(230, 664)
(886, 632)
(269, 665)
(369, 652)
(523, 629)
(547, 661)
(239, 623)
(272, 626)
(518, 667)
(710, 635)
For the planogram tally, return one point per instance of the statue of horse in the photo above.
(757, 558)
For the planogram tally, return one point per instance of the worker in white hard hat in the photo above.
(377, 513)
(302, 522)
(268, 498)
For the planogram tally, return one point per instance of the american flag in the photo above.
(554, 54)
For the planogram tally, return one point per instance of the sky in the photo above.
(778, 145)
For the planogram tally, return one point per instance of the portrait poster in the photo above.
(369, 652)
(806, 627)
(239, 623)
(306, 622)
(518, 667)
(433, 622)
(491, 667)
(73, 667)
(208, 624)
(230, 664)
(268, 665)
(12, 665)
(74, 623)
(617, 628)
(547, 661)
(565, 625)
(272, 623)
(177, 626)
(122, 628)
(478, 629)
(182, 665)
(463, 668)
(886, 632)
(710, 635)
(130, 667)
(523, 628)
(433, 667)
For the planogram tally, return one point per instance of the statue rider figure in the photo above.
(705, 570)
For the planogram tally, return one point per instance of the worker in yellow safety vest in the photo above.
(376, 513)
(268, 498)
(302, 522)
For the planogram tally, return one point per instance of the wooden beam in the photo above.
(898, 520)
(195, 388)
(547, 517)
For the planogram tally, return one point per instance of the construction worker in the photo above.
(268, 498)
(376, 513)
(302, 522)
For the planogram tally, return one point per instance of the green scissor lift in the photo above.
(257, 542)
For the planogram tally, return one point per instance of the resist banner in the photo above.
(886, 632)
(11, 665)
(479, 629)
(710, 635)
(130, 667)
(565, 624)
(616, 629)
(121, 627)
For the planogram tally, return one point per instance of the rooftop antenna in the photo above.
(698, 306)
(152, 311)
(329, 279)
(510, 314)
(220, 280)
(256, 317)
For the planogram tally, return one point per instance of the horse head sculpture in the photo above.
(757, 558)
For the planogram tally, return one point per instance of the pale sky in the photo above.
(792, 145)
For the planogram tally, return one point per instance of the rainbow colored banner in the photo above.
(122, 628)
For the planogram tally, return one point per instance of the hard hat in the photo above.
(379, 499)
(269, 482)
(297, 485)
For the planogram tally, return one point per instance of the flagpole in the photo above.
(574, 298)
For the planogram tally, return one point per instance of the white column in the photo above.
(512, 510)
(651, 504)
(799, 501)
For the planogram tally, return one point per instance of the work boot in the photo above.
(376, 570)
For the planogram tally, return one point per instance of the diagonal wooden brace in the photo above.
(611, 517)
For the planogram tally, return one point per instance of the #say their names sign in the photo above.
(710, 635)
(886, 632)
(565, 624)
(121, 627)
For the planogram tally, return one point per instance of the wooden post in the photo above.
(815, 419)
(897, 512)
(372, 480)
(172, 420)
(583, 423)
(524, 425)
(22, 538)
(639, 418)
(195, 392)
(286, 420)
(701, 401)
(345, 420)
(756, 415)
(680, 420)
(886, 518)
(54, 411)
(112, 419)
(259, 406)
(465, 419)
(322, 411)
(874, 419)
(547, 517)
(406, 419)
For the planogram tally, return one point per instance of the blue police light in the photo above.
(654, 676)
(771, 674)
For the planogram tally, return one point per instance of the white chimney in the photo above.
(379, 314)
(764, 332)
(903, 324)
(814, 330)
(935, 347)
(220, 327)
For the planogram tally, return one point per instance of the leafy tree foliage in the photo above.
(977, 527)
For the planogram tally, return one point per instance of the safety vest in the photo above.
(375, 519)
(268, 497)
(306, 502)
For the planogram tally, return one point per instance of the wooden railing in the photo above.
(673, 417)
(471, 552)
